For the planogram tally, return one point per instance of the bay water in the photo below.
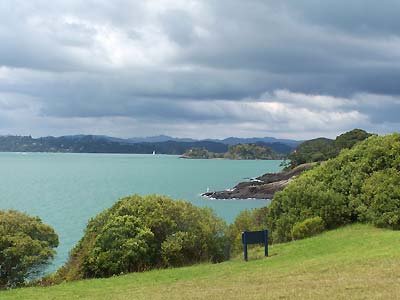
(65, 190)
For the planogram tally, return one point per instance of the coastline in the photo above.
(261, 188)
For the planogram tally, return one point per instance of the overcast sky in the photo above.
(294, 69)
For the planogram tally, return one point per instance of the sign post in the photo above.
(254, 237)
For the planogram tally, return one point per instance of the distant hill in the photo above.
(99, 144)
(255, 140)
(282, 146)
(162, 144)
(321, 149)
(159, 139)
(299, 152)
(228, 141)
(277, 147)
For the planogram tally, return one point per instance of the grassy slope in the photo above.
(355, 262)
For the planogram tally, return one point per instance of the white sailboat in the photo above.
(154, 152)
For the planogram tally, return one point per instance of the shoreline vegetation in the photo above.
(236, 152)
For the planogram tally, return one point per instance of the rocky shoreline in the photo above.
(262, 187)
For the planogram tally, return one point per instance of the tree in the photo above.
(26, 247)
(251, 151)
(140, 233)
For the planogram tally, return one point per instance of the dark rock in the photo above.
(263, 187)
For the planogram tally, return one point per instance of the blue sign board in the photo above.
(255, 237)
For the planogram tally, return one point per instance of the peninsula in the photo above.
(262, 187)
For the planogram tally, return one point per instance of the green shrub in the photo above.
(26, 246)
(307, 228)
(301, 200)
(179, 249)
(282, 229)
(254, 219)
(381, 192)
(123, 244)
(361, 184)
(139, 233)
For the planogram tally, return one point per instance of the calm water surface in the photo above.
(66, 190)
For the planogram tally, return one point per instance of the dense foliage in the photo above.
(381, 193)
(251, 151)
(249, 220)
(361, 184)
(307, 228)
(201, 153)
(140, 233)
(239, 151)
(26, 246)
(321, 149)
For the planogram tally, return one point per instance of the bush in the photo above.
(254, 219)
(304, 199)
(361, 184)
(178, 249)
(381, 192)
(122, 245)
(307, 228)
(140, 233)
(26, 246)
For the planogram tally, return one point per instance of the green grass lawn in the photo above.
(354, 262)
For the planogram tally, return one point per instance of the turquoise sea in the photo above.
(66, 190)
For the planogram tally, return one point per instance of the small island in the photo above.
(236, 152)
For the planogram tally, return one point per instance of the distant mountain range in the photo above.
(227, 141)
(161, 144)
(256, 140)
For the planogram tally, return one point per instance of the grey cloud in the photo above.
(363, 17)
(178, 25)
(380, 109)
(202, 61)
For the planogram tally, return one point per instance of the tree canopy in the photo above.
(251, 151)
(139, 233)
(26, 246)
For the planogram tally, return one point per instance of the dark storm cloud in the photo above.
(241, 64)
(286, 40)
(361, 17)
